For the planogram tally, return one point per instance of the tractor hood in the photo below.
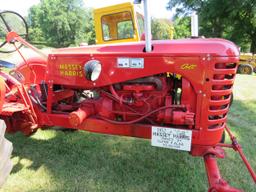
(185, 47)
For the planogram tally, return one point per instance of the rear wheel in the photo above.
(245, 69)
(5, 154)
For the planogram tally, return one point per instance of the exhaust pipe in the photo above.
(147, 24)
(194, 25)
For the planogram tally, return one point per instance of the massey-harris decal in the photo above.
(71, 70)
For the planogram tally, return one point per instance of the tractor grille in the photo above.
(221, 90)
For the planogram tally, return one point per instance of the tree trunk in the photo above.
(253, 44)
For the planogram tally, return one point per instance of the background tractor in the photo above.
(247, 63)
(129, 89)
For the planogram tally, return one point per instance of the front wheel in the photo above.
(5, 154)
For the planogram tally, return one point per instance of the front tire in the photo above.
(5, 154)
(245, 69)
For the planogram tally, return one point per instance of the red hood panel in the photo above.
(184, 47)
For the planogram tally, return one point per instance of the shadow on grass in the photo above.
(81, 161)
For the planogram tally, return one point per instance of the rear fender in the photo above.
(38, 66)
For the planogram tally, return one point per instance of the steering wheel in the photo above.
(11, 21)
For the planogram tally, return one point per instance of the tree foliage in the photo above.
(61, 23)
(162, 29)
(125, 30)
(182, 28)
(234, 20)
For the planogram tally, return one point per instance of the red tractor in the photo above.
(130, 89)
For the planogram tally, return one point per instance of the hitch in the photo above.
(237, 147)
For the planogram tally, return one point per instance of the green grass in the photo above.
(53, 160)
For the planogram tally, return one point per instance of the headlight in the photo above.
(92, 70)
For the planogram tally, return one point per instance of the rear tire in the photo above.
(223, 137)
(5, 154)
(245, 69)
(231, 100)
